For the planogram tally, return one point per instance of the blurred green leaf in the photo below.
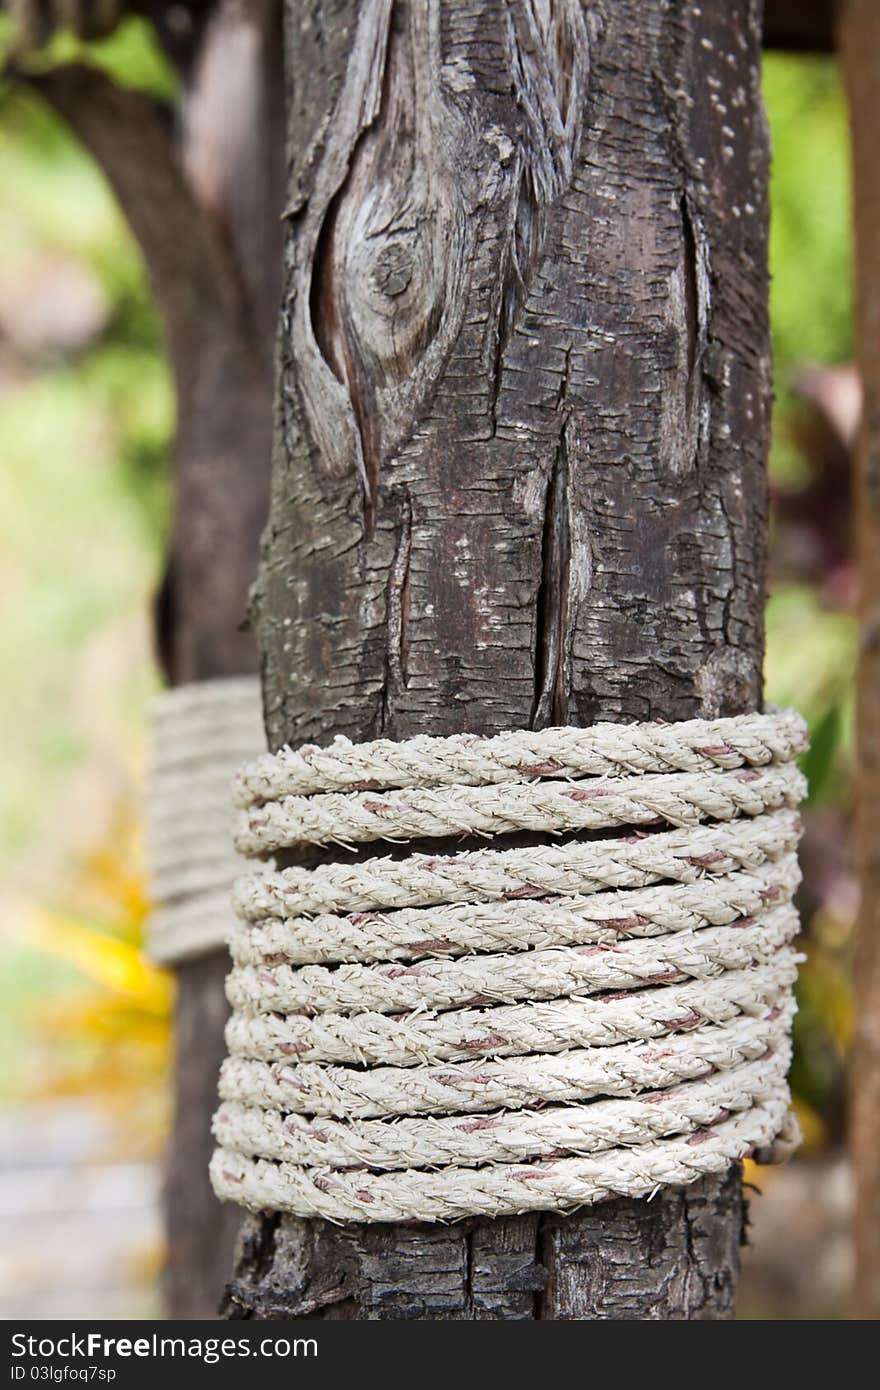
(818, 762)
(131, 55)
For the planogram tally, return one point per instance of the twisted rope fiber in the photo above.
(200, 734)
(682, 798)
(488, 1032)
(514, 924)
(510, 1082)
(695, 745)
(497, 1189)
(541, 974)
(506, 1137)
(510, 1030)
(502, 875)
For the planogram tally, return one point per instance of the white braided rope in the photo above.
(510, 1082)
(553, 973)
(502, 875)
(695, 745)
(511, 1030)
(681, 798)
(497, 1189)
(433, 1036)
(200, 734)
(515, 924)
(506, 1136)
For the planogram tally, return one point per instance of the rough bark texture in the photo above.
(519, 479)
(205, 209)
(860, 35)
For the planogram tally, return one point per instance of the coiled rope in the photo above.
(494, 1031)
(200, 735)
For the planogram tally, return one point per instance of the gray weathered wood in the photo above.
(519, 479)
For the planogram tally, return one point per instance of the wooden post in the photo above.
(519, 479)
(205, 210)
(860, 44)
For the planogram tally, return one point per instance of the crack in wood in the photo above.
(551, 619)
(397, 620)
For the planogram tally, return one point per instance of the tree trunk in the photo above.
(519, 479)
(205, 210)
(233, 152)
(860, 35)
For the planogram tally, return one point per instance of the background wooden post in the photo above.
(519, 479)
(202, 195)
(860, 45)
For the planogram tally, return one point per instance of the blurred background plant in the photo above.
(86, 413)
(810, 623)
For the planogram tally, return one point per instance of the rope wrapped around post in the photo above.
(500, 1030)
(200, 734)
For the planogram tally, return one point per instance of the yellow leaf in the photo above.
(115, 964)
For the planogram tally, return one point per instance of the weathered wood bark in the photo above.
(205, 209)
(518, 478)
(860, 35)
